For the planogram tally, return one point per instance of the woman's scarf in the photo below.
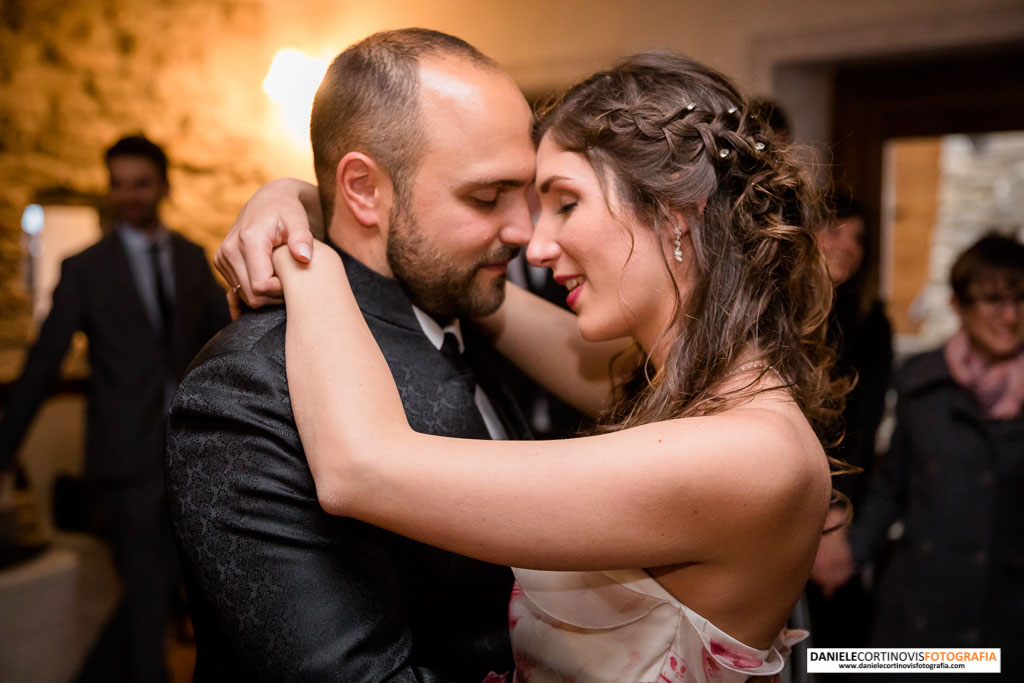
(998, 387)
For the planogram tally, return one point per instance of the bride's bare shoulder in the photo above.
(764, 450)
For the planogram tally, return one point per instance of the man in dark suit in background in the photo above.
(423, 156)
(147, 300)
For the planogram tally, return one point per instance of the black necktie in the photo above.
(462, 393)
(450, 350)
(163, 298)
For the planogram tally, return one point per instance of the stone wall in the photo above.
(75, 75)
(981, 188)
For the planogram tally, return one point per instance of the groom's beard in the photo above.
(435, 284)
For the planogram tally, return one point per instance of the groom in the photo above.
(423, 155)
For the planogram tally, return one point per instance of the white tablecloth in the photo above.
(52, 609)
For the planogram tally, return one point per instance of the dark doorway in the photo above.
(966, 91)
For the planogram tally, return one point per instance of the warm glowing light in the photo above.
(32, 219)
(291, 83)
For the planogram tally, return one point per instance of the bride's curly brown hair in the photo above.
(673, 137)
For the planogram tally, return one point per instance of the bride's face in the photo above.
(611, 265)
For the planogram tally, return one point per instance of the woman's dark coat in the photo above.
(956, 480)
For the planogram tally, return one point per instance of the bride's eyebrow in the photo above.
(544, 187)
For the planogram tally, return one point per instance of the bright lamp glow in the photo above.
(32, 219)
(291, 83)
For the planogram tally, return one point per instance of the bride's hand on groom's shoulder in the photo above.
(274, 216)
(322, 271)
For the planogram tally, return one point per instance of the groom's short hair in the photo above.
(369, 102)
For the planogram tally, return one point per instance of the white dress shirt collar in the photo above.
(435, 333)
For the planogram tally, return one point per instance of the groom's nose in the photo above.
(517, 226)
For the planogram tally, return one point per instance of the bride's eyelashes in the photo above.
(566, 208)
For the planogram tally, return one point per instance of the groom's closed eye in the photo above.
(487, 199)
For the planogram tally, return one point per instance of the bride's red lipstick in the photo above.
(570, 300)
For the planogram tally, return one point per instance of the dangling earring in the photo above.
(677, 242)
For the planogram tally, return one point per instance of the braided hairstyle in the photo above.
(676, 138)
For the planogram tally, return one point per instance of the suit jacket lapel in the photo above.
(379, 296)
(479, 355)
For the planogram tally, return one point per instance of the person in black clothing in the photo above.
(839, 603)
(148, 301)
(423, 154)
(954, 473)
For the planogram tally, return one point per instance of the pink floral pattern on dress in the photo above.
(676, 669)
(517, 595)
(621, 627)
(710, 664)
(737, 659)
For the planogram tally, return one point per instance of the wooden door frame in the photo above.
(972, 91)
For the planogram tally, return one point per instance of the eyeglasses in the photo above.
(994, 301)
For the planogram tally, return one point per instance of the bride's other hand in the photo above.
(834, 564)
(284, 211)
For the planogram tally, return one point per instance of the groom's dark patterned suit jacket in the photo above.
(282, 591)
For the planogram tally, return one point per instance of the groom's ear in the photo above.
(365, 188)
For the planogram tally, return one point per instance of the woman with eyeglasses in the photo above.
(954, 474)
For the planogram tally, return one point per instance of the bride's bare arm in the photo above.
(284, 211)
(539, 337)
(660, 494)
(543, 340)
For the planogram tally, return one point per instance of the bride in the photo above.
(673, 543)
